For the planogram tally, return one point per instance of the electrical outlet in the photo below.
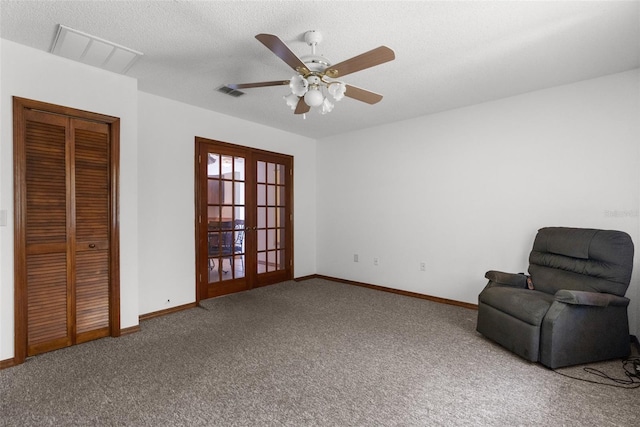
(355, 257)
(375, 261)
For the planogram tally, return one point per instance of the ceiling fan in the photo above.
(316, 76)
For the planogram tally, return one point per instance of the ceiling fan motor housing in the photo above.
(312, 37)
(315, 63)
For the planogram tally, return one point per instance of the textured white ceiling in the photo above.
(449, 54)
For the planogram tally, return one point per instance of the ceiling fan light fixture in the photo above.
(327, 106)
(299, 85)
(337, 90)
(313, 98)
(292, 100)
(316, 75)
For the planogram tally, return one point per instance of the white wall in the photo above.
(466, 190)
(167, 131)
(33, 74)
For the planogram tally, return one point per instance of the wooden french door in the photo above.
(66, 240)
(244, 233)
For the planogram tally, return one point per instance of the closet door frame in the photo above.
(20, 105)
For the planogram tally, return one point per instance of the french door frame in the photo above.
(20, 106)
(252, 278)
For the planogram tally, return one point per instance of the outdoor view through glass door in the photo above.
(244, 232)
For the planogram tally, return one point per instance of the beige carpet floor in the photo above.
(311, 353)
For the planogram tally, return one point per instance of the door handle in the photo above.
(92, 245)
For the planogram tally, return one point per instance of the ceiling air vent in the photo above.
(231, 92)
(91, 50)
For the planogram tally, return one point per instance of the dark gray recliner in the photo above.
(577, 311)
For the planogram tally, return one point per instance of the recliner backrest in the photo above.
(581, 259)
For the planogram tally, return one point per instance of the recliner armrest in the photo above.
(590, 298)
(510, 279)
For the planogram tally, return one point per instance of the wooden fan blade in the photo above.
(260, 84)
(277, 46)
(362, 95)
(374, 57)
(301, 108)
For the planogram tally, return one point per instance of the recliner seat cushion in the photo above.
(530, 306)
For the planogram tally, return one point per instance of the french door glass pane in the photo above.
(271, 261)
(213, 165)
(262, 217)
(271, 217)
(271, 195)
(262, 240)
(228, 189)
(262, 262)
(238, 193)
(271, 173)
(280, 176)
(261, 176)
(271, 239)
(261, 195)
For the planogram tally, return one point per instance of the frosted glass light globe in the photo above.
(337, 90)
(313, 98)
(292, 100)
(327, 106)
(298, 85)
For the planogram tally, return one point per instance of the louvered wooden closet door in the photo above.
(67, 231)
(91, 181)
(49, 292)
